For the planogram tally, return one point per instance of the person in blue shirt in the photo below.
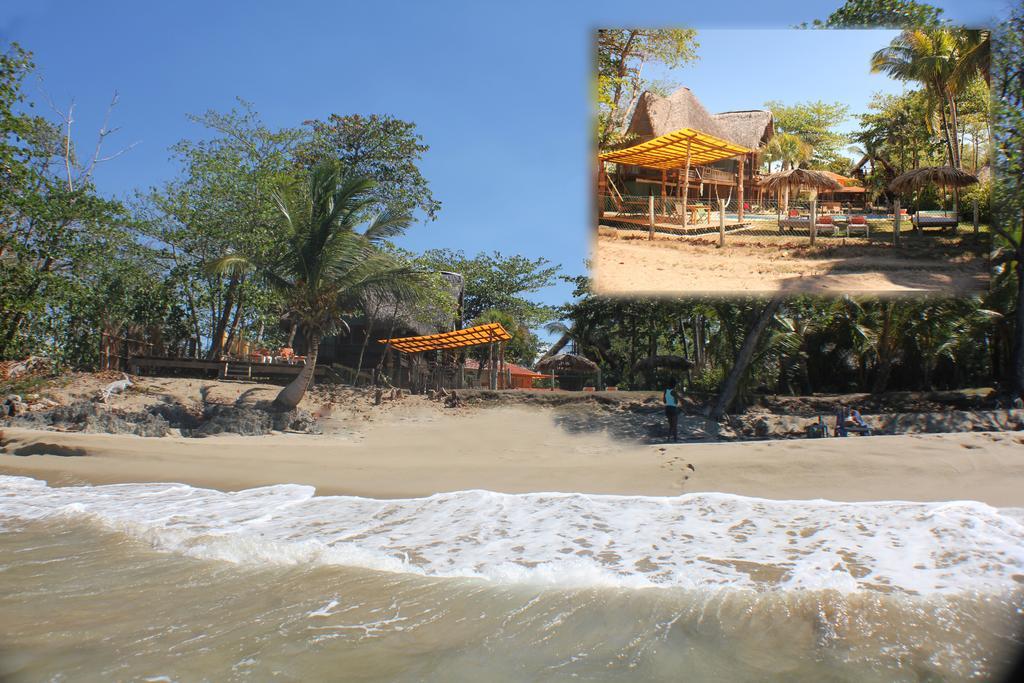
(672, 401)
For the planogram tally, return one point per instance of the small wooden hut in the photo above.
(570, 369)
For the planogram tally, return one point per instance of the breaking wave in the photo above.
(701, 540)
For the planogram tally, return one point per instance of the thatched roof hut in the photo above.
(657, 115)
(943, 176)
(752, 128)
(800, 177)
(568, 363)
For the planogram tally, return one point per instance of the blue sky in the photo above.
(499, 92)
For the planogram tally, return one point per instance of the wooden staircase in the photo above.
(236, 371)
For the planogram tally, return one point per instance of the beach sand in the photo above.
(671, 266)
(416, 448)
(457, 585)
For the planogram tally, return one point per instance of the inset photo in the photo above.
(829, 162)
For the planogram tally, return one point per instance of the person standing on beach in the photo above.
(672, 400)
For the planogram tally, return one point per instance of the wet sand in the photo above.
(418, 449)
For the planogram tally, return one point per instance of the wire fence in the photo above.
(768, 220)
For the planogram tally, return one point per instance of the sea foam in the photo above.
(700, 540)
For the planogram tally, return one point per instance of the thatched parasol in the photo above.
(945, 176)
(566, 363)
(800, 177)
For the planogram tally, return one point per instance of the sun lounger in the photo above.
(795, 223)
(858, 223)
(944, 222)
(825, 224)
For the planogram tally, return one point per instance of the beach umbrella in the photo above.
(567, 363)
(946, 176)
(796, 178)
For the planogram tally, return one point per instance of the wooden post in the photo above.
(814, 218)
(650, 211)
(664, 173)
(602, 187)
(975, 218)
(896, 222)
(739, 189)
(686, 183)
(721, 223)
(491, 379)
(501, 364)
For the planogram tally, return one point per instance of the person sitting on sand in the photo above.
(672, 399)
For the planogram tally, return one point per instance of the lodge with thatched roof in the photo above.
(657, 116)
(360, 346)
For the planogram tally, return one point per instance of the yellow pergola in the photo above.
(457, 339)
(478, 335)
(678, 149)
(673, 150)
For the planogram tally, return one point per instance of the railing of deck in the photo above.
(762, 218)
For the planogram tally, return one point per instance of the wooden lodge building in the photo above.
(655, 116)
(362, 338)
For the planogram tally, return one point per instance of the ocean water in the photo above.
(167, 582)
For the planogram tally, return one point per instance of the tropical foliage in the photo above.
(621, 57)
(811, 345)
(327, 269)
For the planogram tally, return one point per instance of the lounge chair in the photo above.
(858, 223)
(794, 221)
(944, 222)
(825, 224)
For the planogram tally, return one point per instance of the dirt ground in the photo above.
(629, 264)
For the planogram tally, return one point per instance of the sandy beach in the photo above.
(418, 449)
(671, 266)
(408, 529)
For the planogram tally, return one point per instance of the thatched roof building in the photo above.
(752, 128)
(657, 115)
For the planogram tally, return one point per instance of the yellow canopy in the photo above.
(669, 150)
(470, 336)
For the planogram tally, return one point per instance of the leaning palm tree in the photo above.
(326, 268)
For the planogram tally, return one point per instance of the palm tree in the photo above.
(792, 151)
(974, 56)
(930, 57)
(325, 269)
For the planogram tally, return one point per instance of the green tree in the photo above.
(1008, 187)
(621, 57)
(326, 269)
(881, 14)
(498, 282)
(928, 56)
(221, 202)
(60, 239)
(810, 127)
(384, 148)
